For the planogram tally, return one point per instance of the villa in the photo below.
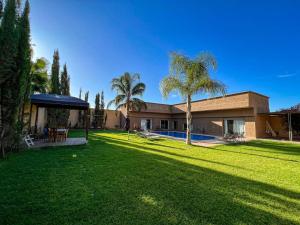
(242, 113)
(245, 113)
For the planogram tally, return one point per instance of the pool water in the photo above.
(176, 134)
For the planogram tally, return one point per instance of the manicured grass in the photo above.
(115, 181)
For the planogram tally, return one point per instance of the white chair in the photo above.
(28, 140)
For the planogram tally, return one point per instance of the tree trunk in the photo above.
(188, 120)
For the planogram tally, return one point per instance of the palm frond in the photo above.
(169, 84)
(137, 104)
(179, 64)
(119, 99)
(110, 103)
(207, 60)
(138, 89)
(210, 86)
(135, 77)
(120, 106)
(118, 86)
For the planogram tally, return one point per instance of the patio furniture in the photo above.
(61, 134)
(28, 139)
(235, 138)
(52, 135)
(147, 134)
(62, 102)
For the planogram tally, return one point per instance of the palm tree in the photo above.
(39, 76)
(38, 82)
(189, 77)
(128, 88)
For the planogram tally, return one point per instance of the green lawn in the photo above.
(115, 181)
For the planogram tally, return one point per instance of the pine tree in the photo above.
(8, 73)
(65, 90)
(97, 111)
(24, 60)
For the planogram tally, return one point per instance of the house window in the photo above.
(175, 125)
(184, 126)
(164, 124)
(234, 126)
(146, 124)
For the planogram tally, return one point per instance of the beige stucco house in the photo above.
(245, 112)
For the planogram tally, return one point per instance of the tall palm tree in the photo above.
(189, 77)
(128, 88)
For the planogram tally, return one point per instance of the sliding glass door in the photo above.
(234, 126)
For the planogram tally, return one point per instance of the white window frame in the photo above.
(146, 122)
(234, 119)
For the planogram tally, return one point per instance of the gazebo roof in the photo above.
(58, 101)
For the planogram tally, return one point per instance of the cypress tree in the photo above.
(54, 115)
(80, 119)
(8, 73)
(24, 60)
(86, 98)
(65, 90)
(97, 111)
(8, 43)
(55, 85)
(102, 106)
(65, 82)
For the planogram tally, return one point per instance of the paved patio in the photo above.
(68, 142)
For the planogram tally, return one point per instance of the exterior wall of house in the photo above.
(112, 119)
(218, 103)
(207, 115)
(203, 122)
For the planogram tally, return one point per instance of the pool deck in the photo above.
(209, 143)
(204, 143)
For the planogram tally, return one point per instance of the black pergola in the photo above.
(58, 101)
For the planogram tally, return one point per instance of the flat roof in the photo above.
(205, 99)
(58, 101)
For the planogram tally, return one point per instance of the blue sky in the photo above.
(256, 43)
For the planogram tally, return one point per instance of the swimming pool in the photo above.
(176, 134)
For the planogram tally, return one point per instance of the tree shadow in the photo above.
(115, 181)
(208, 196)
(250, 154)
(136, 146)
(273, 147)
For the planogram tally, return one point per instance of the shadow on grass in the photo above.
(251, 154)
(273, 147)
(211, 196)
(153, 149)
(119, 182)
